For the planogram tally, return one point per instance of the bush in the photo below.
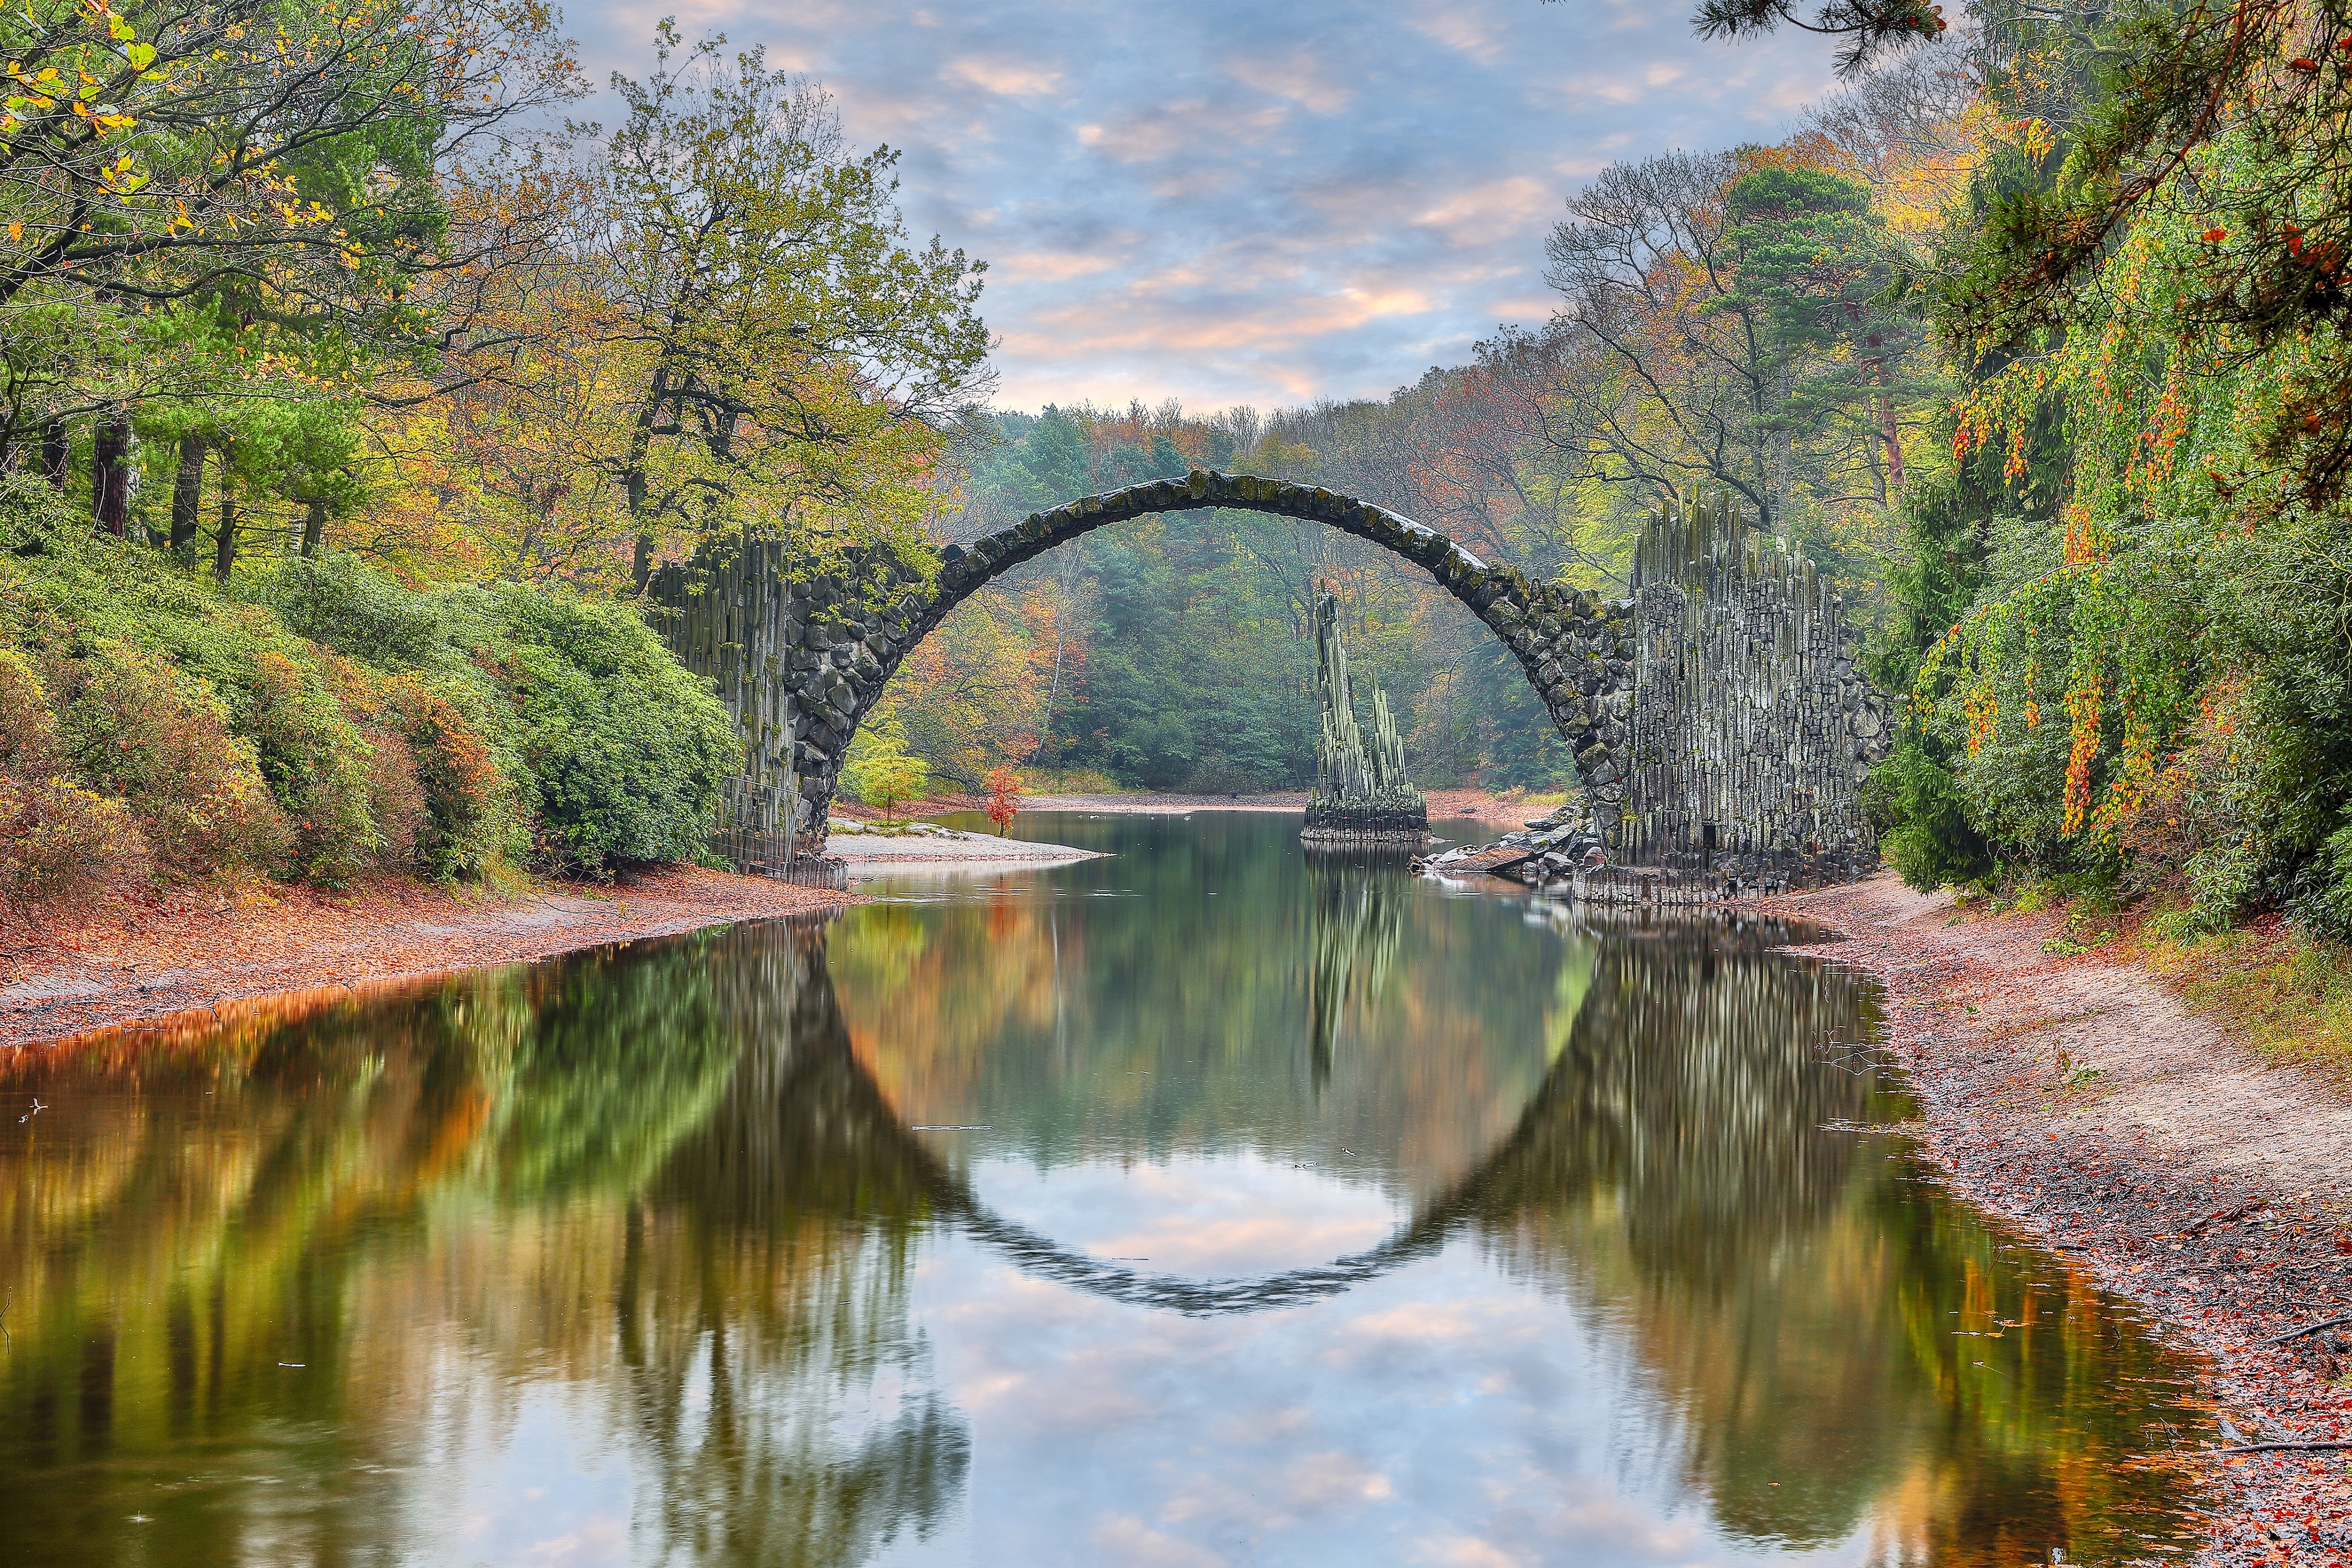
(469, 816)
(318, 767)
(337, 603)
(61, 843)
(1926, 833)
(435, 731)
(29, 736)
(58, 841)
(628, 753)
(135, 729)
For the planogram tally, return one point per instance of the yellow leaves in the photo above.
(116, 27)
(140, 56)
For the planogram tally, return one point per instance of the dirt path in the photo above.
(58, 980)
(2077, 1098)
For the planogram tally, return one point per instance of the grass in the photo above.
(2285, 991)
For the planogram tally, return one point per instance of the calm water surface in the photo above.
(1198, 1206)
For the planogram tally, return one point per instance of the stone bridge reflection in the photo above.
(324, 1244)
(1686, 1082)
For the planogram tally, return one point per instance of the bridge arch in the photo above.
(800, 662)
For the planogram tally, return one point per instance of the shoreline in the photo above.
(1444, 805)
(2073, 1098)
(209, 954)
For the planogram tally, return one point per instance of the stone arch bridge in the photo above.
(799, 649)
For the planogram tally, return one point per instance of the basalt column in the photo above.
(796, 645)
(1751, 728)
(1361, 793)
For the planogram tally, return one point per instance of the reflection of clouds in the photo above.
(1124, 1539)
(1213, 1216)
(1431, 1416)
(1227, 126)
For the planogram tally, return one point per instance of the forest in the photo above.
(348, 393)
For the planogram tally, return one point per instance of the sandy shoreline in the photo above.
(2075, 1098)
(190, 955)
(867, 854)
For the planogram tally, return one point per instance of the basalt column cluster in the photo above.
(1361, 793)
(1750, 728)
(797, 647)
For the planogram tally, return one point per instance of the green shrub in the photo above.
(28, 733)
(628, 753)
(1925, 831)
(336, 601)
(324, 718)
(58, 842)
(468, 821)
(318, 768)
(615, 752)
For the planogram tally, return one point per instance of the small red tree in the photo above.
(1003, 797)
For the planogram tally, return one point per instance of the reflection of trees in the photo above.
(1785, 1298)
(668, 1177)
(1059, 1020)
(1355, 925)
(626, 1171)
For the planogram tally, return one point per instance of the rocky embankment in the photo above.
(1548, 849)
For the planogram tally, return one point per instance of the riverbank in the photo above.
(132, 963)
(2077, 1098)
(869, 853)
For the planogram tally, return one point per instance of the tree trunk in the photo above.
(56, 452)
(224, 541)
(314, 528)
(632, 472)
(1890, 431)
(187, 495)
(109, 477)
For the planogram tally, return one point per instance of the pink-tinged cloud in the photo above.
(1239, 202)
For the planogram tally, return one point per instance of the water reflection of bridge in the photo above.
(1676, 1037)
(705, 1204)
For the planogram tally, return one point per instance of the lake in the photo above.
(1207, 1203)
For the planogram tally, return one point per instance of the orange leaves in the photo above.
(1983, 710)
(2083, 717)
(2087, 541)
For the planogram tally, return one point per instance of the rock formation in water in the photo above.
(1362, 792)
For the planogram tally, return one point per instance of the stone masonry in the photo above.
(799, 646)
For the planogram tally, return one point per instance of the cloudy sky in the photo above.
(1251, 201)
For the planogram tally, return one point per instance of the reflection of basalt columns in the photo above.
(1358, 924)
